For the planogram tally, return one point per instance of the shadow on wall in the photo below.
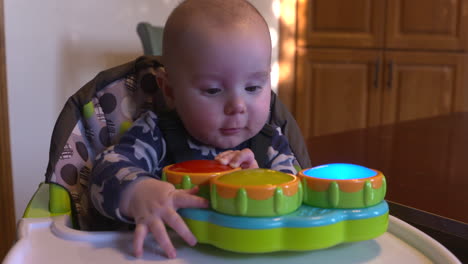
(80, 64)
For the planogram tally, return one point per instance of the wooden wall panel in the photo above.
(7, 208)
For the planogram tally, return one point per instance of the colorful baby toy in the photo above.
(261, 210)
(256, 192)
(342, 185)
(187, 174)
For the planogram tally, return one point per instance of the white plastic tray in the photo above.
(50, 240)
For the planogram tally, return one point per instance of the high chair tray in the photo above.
(51, 240)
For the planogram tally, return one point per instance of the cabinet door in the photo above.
(341, 23)
(337, 90)
(427, 24)
(421, 85)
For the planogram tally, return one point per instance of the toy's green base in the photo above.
(242, 205)
(335, 198)
(308, 228)
(293, 239)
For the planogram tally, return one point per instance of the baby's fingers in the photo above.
(244, 158)
(173, 219)
(159, 232)
(224, 157)
(187, 199)
(138, 239)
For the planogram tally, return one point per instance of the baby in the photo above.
(217, 56)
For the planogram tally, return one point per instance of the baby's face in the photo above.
(221, 88)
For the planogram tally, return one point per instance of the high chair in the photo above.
(101, 111)
(94, 118)
(151, 38)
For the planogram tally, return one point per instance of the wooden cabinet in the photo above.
(421, 85)
(337, 90)
(363, 63)
(426, 24)
(406, 24)
(341, 23)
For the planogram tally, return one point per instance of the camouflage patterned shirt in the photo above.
(142, 152)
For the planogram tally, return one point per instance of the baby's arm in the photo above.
(280, 156)
(124, 186)
(238, 158)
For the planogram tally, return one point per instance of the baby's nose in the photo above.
(235, 105)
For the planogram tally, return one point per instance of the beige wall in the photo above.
(54, 47)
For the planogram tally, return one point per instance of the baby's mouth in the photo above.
(230, 131)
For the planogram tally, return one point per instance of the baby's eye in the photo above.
(253, 88)
(212, 91)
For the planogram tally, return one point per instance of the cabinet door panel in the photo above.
(420, 85)
(341, 23)
(426, 24)
(337, 90)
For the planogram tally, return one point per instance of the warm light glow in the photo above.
(276, 8)
(274, 76)
(288, 12)
(274, 37)
(288, 43)
(286, 67)
(289, 47)
(285, 72)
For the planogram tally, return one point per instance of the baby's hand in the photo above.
(238, 158)
(154, 203)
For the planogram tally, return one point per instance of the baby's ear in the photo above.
(164, 85)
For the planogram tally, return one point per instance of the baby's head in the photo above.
(217, 58)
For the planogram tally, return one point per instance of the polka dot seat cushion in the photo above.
(93, 119)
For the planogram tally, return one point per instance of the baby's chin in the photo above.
(220, 141)
(226, 143)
